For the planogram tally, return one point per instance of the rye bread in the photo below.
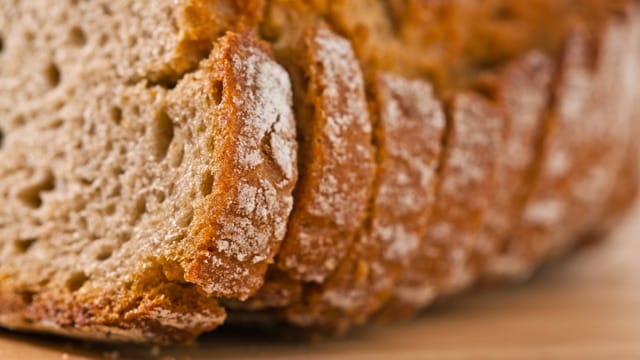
(148, 155)
(123, 198)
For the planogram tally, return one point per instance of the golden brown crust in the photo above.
(254, 153)
(337, 160)
(163, 312)
(582, 152)
(279, 291)
(522, 90)
(474, 135)
(408, 136)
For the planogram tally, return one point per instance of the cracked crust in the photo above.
(254, 151)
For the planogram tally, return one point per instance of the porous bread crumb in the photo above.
(113, 186)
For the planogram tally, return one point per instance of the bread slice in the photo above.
(474, 135)
(336, 158)
(124, 200)
(523, 90)
(149, 155)
(408, 135)
(583, 148)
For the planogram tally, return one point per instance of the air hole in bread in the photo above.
(160, 196)
(106, 9)
(140, 207)
(19, 121)
(162, 133)
(104, 254)
(110, 209)
(76, 280)
(1, 138)
(116, 114)
(117, 189)
(52, 74)
(23, 245)
(133, 41)
(123, 235)
(29, 37)
(56, 123)
(206, 183)
(58, 105)
(1, 43)
(77, 37)
(185, 219)
(27, 297)
(103, 39)
(217, 91)
(31, 195)
(86, 181)
(168, 81)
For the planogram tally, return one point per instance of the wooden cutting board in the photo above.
(586, 307)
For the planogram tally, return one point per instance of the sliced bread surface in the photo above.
(123, 195)
(149, 168)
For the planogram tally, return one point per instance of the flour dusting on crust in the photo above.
(256, 153)
(334, 191)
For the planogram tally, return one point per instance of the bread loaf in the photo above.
(166, 164)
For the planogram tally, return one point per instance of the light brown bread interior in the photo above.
(148, 153)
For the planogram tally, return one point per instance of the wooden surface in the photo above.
(586, 307)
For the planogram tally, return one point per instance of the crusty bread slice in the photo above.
(583, 148)
(123, 200)
(253, 155)
(475, 132)
(408, 132)
(336, 158)
(522, 89)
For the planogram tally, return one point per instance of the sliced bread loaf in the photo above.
(149, 166)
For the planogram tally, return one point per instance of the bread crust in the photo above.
(408, 135)
(337, 160)
(474, 135)
(581, 154)
(167, 313)
(254, 152)
(522, 90)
